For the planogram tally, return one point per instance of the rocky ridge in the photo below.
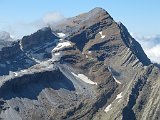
(87, 67)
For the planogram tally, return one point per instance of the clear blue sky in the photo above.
(139, 16)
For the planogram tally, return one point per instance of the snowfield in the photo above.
(84, 78)
(61, 35)
(61, 45)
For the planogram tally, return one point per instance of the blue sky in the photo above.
(139, 16)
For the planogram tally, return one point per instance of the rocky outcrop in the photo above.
(133, 45)
(86, 67)
(9, 49)
(12, 58)
(42, 36)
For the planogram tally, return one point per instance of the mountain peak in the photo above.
(84, 66)
(98, 9)
(99, 12)
(96, 17)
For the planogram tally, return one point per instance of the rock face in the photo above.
(87, 67)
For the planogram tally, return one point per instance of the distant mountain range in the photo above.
(88, 67)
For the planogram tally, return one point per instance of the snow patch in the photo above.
(89, 52)
(49, 67)
(61, 45)
(20, 44)
(12, 36)
(102, 36)
(16, 74)
(24, 71)
(84, 78)
(119, 100)
(117, 80)
(119, 96)
(108, 108)
(57, 54)
(61, 35)
(109, 68)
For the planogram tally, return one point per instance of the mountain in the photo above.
(88, 67)
(5, 36)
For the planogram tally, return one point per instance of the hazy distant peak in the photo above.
(5, 36)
